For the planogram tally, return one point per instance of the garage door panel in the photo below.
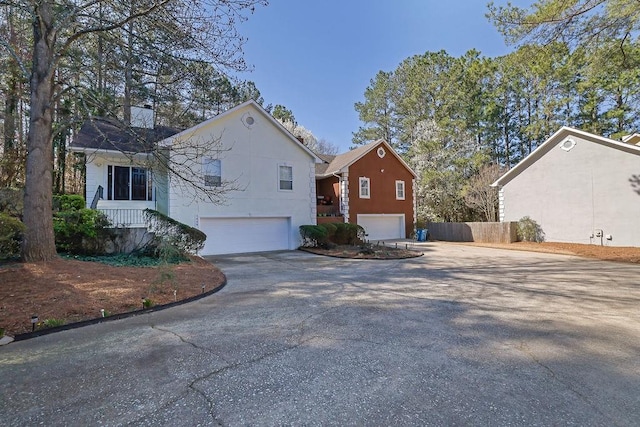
(382, 227)
(238, 235)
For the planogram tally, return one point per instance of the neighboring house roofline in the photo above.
(256, 106)
(552, 141)
(341, 162)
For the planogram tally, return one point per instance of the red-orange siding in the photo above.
(383, 173)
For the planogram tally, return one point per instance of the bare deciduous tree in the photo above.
(479, 195)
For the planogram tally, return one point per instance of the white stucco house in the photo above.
(579, 187)
(240, 177)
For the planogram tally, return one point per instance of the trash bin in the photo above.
(421, 235)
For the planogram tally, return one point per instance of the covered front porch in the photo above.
(328, 206)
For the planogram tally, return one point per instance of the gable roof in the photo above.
(556, 139)
(100, 133)
(337, 164)
(257, 107)
(111, 135)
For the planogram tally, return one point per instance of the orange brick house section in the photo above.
(383, 174)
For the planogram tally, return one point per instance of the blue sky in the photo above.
(316, 57)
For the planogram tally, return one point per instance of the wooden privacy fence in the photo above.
(485, 232)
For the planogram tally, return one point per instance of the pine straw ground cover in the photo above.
(604, 253)
(69, 290)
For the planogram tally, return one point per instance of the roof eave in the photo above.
(105, 151)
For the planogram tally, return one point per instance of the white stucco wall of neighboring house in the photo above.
(250, 156)
(574, 194)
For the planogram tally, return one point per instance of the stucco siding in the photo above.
(571, 194)
(250, 157)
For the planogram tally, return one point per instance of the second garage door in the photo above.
(382, 227)
(238, 235)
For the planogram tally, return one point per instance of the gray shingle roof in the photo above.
(108, 134)
(336, 163)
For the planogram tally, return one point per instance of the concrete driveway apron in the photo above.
(460, 336)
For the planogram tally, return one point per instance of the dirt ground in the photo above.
(72, 290)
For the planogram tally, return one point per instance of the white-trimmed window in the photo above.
(399, 190)
(212, 171)
(285, 177)
(365, 188)
(129, 183)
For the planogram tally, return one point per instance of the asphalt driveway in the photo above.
(460, 336)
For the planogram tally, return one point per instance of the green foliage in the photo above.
(338, 233)
(172, 239)
(11, 201)
(448, 116)
(331, 229)
(68, 202)
(11, 230)
(283, 114)
(582, 22)
(348, 234)
(147, 303)
(81, 231)
(529, 230)
(313, 236)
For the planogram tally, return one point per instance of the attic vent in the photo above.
(247, 120)
(567, 144)
(381, 152)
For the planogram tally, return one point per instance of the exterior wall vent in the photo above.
(247, 120)
(568, 144)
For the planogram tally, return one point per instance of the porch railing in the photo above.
(128, 218)
(328, 210)
(98, 196)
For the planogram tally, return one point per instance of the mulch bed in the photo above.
(362, 252)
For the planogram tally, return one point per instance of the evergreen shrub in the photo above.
(529, 230)
(11, 230)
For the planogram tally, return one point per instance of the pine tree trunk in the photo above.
(38, 243)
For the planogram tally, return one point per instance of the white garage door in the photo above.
(382, 227)
(237, 235)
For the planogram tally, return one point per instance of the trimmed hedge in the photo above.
(348, 234)
(173, 239)
(313, 236)
(338, 233)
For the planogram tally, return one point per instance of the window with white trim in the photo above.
(399, 190)
(365, 188)
(212, 171)
(129, 183)
(285, 177)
